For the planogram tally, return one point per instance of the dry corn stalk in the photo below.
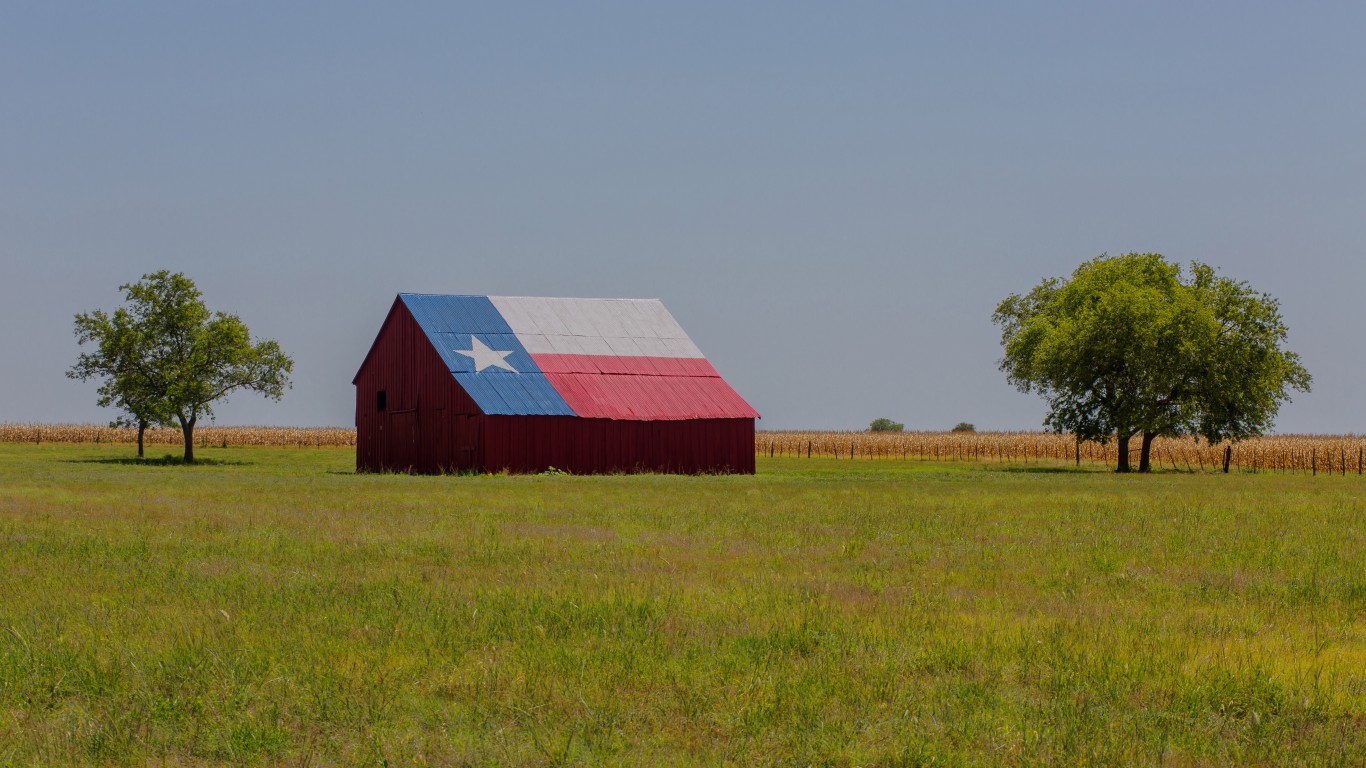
(1338, 454)
(91, 433)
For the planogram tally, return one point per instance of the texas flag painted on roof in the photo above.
(624, 359)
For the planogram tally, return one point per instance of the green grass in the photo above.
(274, 608)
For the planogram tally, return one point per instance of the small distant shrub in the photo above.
(963, 426)
(885, 425)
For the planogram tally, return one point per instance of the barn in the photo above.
(524, 384)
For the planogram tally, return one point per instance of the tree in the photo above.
(964, 426)
(165, 357)
(1130, 346)
(885, 425)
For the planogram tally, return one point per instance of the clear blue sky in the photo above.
(830, 197)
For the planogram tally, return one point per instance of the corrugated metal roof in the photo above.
(595, 326)
(594, 358)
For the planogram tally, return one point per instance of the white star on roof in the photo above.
(484, 357)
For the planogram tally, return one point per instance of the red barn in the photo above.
(523, 384)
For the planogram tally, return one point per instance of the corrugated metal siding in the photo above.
(597, 446)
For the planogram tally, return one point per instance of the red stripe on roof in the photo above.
(636, 398)
(626, 366)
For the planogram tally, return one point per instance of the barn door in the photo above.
(403, 440)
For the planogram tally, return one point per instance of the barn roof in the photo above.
(625, 359)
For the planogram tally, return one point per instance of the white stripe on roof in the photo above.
(612, 327)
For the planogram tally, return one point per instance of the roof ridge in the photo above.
(506, 296)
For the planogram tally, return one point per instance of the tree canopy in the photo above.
(165, 357)
(1133, 345)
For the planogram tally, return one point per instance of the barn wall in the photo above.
(430, 423)
(591, 446)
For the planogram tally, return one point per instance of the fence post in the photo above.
(1314, 462)
(1228, 457)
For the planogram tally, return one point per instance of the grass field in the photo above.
(270, 607)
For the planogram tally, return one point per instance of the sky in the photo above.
(831, 198)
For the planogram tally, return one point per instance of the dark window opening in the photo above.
(381, 402)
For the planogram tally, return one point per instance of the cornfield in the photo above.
(313, 437)
(1334, 454)
(1341, 454)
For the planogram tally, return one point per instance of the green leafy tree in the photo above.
(1130, 346)
(964, 426)
(885, 425)
(165, 357)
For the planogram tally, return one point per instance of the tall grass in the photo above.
(274, 608)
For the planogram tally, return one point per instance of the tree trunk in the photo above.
(142, 427)
(1123, 444)
(1144, 463)
(187, 429)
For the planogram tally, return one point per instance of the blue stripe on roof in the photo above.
(450, 322)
